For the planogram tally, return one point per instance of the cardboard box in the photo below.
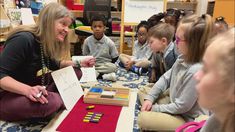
(107, 96)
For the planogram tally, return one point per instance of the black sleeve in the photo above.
(115, 59)
(54, 64)
(15, 53)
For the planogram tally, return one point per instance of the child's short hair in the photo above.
(142, 24)
(98, 18)
(197, 31)
(162, 30)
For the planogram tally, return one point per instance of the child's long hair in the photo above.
(44, 30)
(225, 63)
(197, 31)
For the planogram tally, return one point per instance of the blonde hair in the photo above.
(44, 30)
(197, 31)
(225, 63)
(162, 30)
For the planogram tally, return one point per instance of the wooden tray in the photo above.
(107, 95)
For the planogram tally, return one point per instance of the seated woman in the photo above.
(30, 52)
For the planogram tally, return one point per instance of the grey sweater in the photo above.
(183, 96)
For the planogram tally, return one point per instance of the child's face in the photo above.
(142, 35)
(156, 44)
(180, 41)
(98, 29)
(210, 88)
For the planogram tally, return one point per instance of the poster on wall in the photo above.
(138, 10)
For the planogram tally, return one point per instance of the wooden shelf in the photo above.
(78, 13)
(182, 5)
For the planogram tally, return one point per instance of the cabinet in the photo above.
(225, 8)
(190, 6)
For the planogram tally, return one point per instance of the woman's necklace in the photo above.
(45, 67)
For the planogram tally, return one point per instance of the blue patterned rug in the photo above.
(37, 125)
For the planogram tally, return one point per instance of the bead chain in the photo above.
(43, 66)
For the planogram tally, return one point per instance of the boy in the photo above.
(164, 50)
(102, 48)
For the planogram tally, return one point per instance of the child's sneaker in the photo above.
(110, 77)
(142, 71)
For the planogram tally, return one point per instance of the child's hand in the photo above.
(147, 105)
(129, 64)
(88, 62)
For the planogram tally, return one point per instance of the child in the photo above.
(216, 85)
(139, 62)
(102, 48)
(155, 19)
(172, 16)
(191, 37)
(220, 25)
(165, 51)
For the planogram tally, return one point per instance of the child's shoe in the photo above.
(142, 71)
(110, 77)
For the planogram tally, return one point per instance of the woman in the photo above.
(216, 86)
(30, 52)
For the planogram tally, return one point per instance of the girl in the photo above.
(216, 86)
(191, 37)
(220, 25)
(139, 62)
(172, 16)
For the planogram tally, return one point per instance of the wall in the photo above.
(225, 8)
(202, 7)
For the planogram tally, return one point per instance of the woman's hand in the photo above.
(147, 105)
(37, 94)
(88, 62)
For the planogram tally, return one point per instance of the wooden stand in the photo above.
(124, 23)
(108, 96)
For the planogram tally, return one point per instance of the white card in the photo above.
(27, 16)
(68, 86)
(88, 73)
